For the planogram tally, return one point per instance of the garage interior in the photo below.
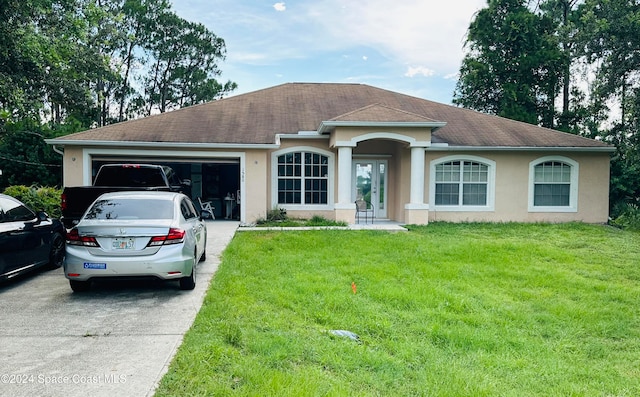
(214, 180)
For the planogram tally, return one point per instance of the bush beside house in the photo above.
(38, 198)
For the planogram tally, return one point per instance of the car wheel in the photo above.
(56, 254)
(189, 282)
(204, 255)
(79, 286)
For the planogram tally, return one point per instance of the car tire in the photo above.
(189, 282)
(204, 255)
(79, 286)
(56, 254)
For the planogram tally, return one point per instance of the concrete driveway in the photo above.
(115, 340)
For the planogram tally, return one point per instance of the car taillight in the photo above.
(175, 236)
(74, 238)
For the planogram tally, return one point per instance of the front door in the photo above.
(369, 182)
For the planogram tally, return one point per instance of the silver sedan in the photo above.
(136, 234)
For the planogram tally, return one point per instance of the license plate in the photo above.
(122, 243)
(89, 265)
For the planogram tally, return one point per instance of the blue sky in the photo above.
(410, 46)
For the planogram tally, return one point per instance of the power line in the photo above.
(28, 162)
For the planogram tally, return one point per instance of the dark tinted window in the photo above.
(172, 177)
(131, 209)
(188, 211)
(130, 176)
(12, 211)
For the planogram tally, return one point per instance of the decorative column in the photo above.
(344, 208)
(417, 175)
(416, 211)
(344, 175)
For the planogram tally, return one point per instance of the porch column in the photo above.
(416, 211)
(344, 175)
(417, 175)
(344, 208)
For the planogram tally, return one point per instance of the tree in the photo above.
(514, 64)
(612, 45)
(183, 65)
(38, 37)
(68, 65)
(565, 15)
(120, 32)
(25, 159)
(158, 60)
(521, 59)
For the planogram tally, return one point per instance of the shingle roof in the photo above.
(381, 113)
(256, 118)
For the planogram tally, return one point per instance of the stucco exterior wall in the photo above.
(512, 186)
(512, 183)
(256, 176)
(72, 166)
(344, 134)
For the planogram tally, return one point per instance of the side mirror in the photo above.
(204, 214)
(41, 216)
(186, 182)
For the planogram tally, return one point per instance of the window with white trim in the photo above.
(553, 184)
(303, 178)
(462, 183)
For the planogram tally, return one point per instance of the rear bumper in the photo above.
(169, 263)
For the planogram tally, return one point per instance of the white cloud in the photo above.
(413, 71)
(427, 35)
(409, 32)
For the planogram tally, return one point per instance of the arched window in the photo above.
(462, 183)
(553, 185)
(303, 178)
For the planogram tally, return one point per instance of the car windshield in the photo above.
(129, 208)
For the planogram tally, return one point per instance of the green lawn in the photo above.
(442, 310)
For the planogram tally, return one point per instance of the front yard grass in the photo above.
(442, 310)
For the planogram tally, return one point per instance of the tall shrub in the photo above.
(38, 198)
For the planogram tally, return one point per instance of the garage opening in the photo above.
(214, 180)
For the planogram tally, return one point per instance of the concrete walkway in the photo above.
(117, 339)
(386, 225)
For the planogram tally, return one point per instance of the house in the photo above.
(314, 148)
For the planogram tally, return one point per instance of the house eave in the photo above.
(447, 148)
(302, 135)
(155, 145)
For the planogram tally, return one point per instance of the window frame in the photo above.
(13, 211)
(330, 178)
(573, 186)
(187, 209)
(491, 184)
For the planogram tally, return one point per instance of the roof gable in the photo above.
(381, 113)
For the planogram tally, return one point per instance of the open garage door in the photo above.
(212, 179)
